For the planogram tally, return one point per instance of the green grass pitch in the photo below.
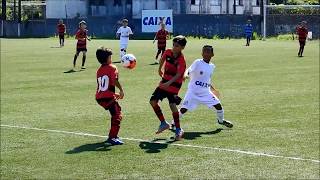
(270, 95)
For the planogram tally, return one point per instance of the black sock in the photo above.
(83, 60)
(74, 60)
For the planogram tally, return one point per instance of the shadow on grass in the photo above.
(152, 64)
(195, 135)
(70, 71)
(100, 146)
(155, 146)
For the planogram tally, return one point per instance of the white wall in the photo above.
(256, 10)
(58, 8)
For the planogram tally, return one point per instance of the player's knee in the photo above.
(218, 106)
(153, 103)
(173, 107)
(183, 110)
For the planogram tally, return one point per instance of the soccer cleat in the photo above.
(179, 134)
(83, 67)
(114, 141)
(226, 123)
(163, 126)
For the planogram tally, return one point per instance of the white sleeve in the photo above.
(130, 31)
(119, 30)
(192, 67)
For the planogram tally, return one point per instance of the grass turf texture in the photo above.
(270, 94)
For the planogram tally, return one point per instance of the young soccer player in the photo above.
(172, 77)
(162, 35)
(82, 37)
(248, 29)
(302, 32)
(200, 90)
(124, 32)
(107, 80)
(61, 29)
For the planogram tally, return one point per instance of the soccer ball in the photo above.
(129, 61)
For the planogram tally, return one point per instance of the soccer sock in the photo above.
(175, 116)
(114, 130)
(74, 60)
(83, 60)
(122, 53)
(220, 115)
(158, 112)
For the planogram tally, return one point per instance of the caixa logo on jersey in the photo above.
(151, 20)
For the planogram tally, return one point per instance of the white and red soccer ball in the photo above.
(129, 61)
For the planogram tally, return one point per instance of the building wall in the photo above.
(66, 8)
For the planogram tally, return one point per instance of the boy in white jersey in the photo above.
(200, 90)
(124, 32)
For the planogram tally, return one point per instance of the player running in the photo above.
(200, 90)
(302, 32)
(82, 37)
(172, 77)
(61, 29)
(124, 32)
(107, 80)
(162, 35)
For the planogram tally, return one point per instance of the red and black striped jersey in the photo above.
(81, 36)
(172, 66)
(61, 28)
(107, 75)
(302, 32)
(161, 36)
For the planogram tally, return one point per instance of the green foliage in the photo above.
(285, 37)
(281, 10)
(215, 37)
(256, 36)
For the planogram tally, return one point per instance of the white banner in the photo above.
(151, 20)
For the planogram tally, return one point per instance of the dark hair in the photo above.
(102, 54)
(208, 47)
(124, 20)
(181, 40)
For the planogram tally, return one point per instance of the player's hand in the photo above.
(119, 95)
(185, 78)
(164, 85)
(160, 73)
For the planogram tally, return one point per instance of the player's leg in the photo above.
(123, 50)
(302, 47)
(175, 114)
(84, 59)
(158, 53)
(154, 102)
(62, 40)
(75, 58)
(116, 117)
(212, 100)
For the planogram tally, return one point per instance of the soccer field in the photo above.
(52, 128)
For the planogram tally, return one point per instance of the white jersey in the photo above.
(200, 74)
(124, 34)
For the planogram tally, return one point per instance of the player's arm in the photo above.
(118, 85)
(180, 72)
(162, 60)
(214, 91)
(155, 37)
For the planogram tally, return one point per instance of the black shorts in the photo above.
(61, 36)
(81, 50)
(160, 94)
(302, 42)
(161, 48)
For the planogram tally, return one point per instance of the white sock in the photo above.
(220, 115)
(122, 53)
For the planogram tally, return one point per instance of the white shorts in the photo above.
(123, 46)
(192, 100)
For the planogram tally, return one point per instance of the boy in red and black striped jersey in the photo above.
(61, 28)
(302, 32)
(107, 80)
(82, 37)
(162, 35)
(172, 78)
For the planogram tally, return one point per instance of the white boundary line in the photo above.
(173, 144)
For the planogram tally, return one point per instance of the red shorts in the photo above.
(113, 106)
